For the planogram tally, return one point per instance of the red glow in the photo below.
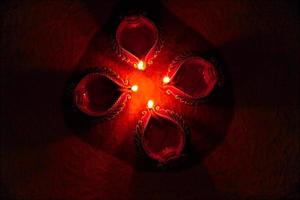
(149, 87)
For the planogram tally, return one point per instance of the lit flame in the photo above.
(135, 88)
(141, 65)
(150, 104)
(166, 79)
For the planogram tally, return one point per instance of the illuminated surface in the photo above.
(149, 87)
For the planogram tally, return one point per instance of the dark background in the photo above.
(256, 156)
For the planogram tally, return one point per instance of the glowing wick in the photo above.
(166, 79)
(134, 88)
(150, 104)
(141, 65)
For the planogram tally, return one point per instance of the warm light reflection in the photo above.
(141, 65)
(166, 79)
(134, 88)
(150, 104)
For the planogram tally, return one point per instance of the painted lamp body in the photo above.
(101, 93)
(191, 80)
(162, 135)
(137, 41)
